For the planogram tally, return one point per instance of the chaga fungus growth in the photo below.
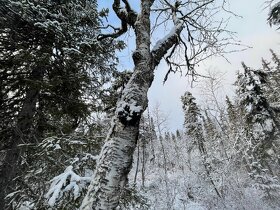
(129, 115)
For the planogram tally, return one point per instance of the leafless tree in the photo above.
(193, 34)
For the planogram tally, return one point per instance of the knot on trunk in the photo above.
(129, 114)
(137, 56)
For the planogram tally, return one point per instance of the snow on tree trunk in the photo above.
(116, 156)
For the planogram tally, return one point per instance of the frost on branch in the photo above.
(164, 41)
(66, 182)
(68, 161)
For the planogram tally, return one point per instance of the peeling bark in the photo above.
(116, 156)
(115, 159)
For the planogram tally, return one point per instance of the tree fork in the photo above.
(116, 156)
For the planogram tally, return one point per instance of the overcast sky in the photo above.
(252, 30)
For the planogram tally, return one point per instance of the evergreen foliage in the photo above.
(274, 14)
(60, 172)
(261, 138)
(58, 40)
(60, 86)
(54, 75)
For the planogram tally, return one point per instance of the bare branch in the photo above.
(163, 45)
(170, 63)
(131, 15)
(197, 8)
(202, 35)
(127, 16)
(118, 33)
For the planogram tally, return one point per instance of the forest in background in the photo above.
(61, 88)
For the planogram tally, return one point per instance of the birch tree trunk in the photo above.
(200, 42)
(116, 156)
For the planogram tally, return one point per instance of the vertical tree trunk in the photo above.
(21, 134)
(116, 156)
(137, 164)
(203, 152)
(143, 162)
(151, 140)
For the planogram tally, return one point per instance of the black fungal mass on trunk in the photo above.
(128, 117)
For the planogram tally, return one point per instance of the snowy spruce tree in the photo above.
(194, 132)
(52, 72)
(272, 87)
(261, 131)
(274, 13)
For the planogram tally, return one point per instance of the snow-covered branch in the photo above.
(65, 182)
(171, 39)
(164, 44)
(196, 35)
(274, 14)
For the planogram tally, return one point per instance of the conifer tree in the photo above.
(272, 86)
(274, 13)
(50, 62)
(262, 128)
(194, 130)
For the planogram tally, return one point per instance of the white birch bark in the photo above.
(116, 156)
